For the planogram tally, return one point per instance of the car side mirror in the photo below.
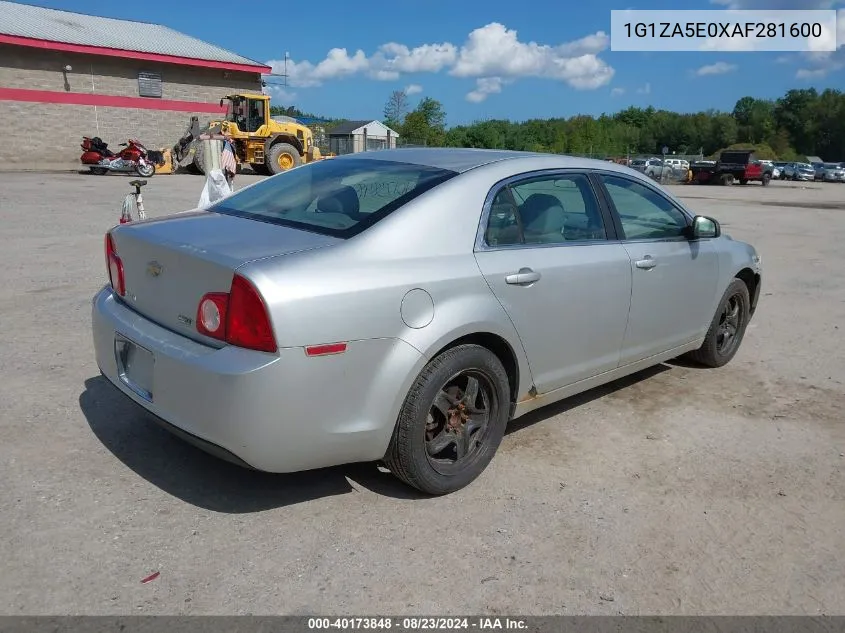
(704, 227)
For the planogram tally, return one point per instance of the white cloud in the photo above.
(484, 87)
(819, 64)
(280, 94)
(384, 75)
(413, 89)
(645, 90)
(804, 73)
(617, 92)
(495, 51)
(338, 63)
(428, 58)
(493, 55)
(719, 68)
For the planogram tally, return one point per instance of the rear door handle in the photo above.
(524, 277)
(646, 263)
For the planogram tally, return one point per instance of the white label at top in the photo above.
(723, 30)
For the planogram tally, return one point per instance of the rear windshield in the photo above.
(337, 197)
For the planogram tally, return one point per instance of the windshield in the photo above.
(337, 197)
(804, 166)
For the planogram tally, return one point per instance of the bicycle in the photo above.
(133, 200)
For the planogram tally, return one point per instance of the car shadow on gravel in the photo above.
(202, 480)
(578, 400)
(205, 481)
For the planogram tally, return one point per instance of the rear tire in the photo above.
(452, 421)
(727, 328)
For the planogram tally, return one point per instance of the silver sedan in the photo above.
(405, 305)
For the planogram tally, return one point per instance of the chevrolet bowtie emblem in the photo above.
(154, 269)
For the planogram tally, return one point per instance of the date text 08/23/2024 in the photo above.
(415, 623)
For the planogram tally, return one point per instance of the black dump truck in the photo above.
(733, 166)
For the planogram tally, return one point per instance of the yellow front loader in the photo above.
(269, 146)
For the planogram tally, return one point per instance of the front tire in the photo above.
(146, 170)
(282, 156)
(727, 328)
(452, 421)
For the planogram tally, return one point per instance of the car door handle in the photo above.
(524, 277)
(646, 263)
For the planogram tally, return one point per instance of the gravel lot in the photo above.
(677, 491)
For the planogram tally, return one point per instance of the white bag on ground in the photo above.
(216, 188)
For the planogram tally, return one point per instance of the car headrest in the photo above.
(343, 200)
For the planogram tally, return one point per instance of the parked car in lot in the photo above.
(639, 164)
(404, 305)
(799, 171)
(778, 168)
(668, 169)
(834, 172)
(818, 169)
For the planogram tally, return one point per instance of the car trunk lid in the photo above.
(169, 264)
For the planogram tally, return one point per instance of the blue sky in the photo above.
(453, 52)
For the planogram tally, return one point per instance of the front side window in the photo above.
(644, 213)
(340, 197)
(545, 210)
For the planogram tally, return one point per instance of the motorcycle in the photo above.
(134, 157)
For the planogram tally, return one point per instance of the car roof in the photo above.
(464, 159)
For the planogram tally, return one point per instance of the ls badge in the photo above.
(154, 269)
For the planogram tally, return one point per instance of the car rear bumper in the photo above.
(282, 412)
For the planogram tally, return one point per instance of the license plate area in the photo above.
(134, 366)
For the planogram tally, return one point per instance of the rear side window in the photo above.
(545, 210)
(337, 197)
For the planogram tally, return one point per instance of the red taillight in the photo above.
(115, 267)
(240, 317)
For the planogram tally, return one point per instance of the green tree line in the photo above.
(802, 122)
